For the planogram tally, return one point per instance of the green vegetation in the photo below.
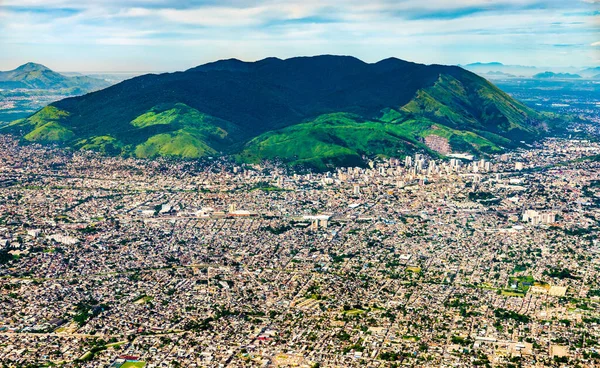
(199, 134)
(591, 293)
(356, 347)
(517, 293)
(86, 310)
(272, 114)
(468, 103)
(179, 114)
(133, 365)
(329, 140)
(390, 356)
(182, 143)
(504, 314)
(46, 126)
(104, 144)
(520, 284)
(277, 230)
(97, 345)
(463, 341)
(205, 324)
(5, 257)
(411, 338)
(334, 140)
(520, 268)
(560, 274)
(187, 133)
(143, 299)
(342, 138)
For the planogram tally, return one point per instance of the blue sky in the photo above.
(168, 35)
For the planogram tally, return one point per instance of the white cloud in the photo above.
(126, 41)
(214, 16)
(426, 30)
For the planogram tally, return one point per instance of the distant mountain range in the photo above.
(495, 69)
(314, 112)
(499, 70)
(550, 75)
(591, 72)
(37, 76)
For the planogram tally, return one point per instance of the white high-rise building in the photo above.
(419, 164)
(454, 163)
(536, 218)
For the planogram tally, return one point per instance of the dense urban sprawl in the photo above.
(410, 261)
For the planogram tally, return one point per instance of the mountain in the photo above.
(312, 111)
(479, 64)
(590, 72)
(485, 68)
(492, 69)
(551, 75)
(37, 76)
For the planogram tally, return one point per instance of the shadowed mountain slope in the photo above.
(335, 109)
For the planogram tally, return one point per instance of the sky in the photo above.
(169, 35)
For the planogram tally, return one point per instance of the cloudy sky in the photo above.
(167, 35)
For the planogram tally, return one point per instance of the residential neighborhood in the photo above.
(410, 261)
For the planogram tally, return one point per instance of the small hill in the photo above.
(37, 76)
(317, 111)
(551, 75)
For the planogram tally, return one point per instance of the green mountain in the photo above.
(313, 111)
(37, 76)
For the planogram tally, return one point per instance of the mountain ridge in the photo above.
(236, 107)
(552, 75)
(31, 66)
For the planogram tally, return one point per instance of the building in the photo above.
(535, 218)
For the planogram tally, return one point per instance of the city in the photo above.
(409, 261)
(299, 184)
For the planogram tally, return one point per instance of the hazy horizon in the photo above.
(87, 72)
